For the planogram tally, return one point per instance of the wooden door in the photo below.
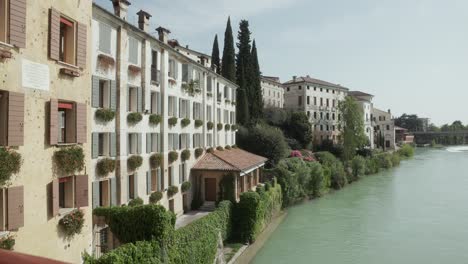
(210, 189)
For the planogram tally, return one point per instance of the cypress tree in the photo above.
(215, 64)
(228, 67)
(244, 74)
(242, 104)
(256, 100)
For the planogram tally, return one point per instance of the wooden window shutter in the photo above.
(113, 144)
(54, 34)
(81, 45)
(94, 145)
(15, 208)
(54, 199)
(81, 190)
(148, 182)
(148, 143)
(53, 122)
(140, 99)
(81, 123)
(96, 194)
(113, 95)
(15, 119)
(113, 187)
(95, 91)
(18, 23)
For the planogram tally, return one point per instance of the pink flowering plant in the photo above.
(72, 223)
(296, 154)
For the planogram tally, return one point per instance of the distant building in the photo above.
(203, 59)
(365, 101)
(272, 92)
(319, 100)
(384, 129)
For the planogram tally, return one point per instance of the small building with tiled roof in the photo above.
(236, 165)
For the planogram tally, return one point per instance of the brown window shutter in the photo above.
(18, 23)
(54, 34)
(53, 122)
(81, 45)
(81, 123)
(81, 190)
(15, 208)
(54, 197)
(15, 119)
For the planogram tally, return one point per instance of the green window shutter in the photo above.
(113, 187)
(96, 195)
(113, 95)
(95, 91)
(113, 144)
(95, 145)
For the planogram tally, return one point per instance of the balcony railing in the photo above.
(155, 74)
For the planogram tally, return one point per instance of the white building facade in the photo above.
(384, 129)
(365, 102)
(319, 99)
(272, 92)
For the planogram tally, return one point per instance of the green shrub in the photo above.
(406, 151)
(358, 167)
(105, 166)
(135, 202)
(134, 117)
(227, 189)
(198, 123)
(134, 162)
(10, 163)
(172, 121)
(227, 127)
(219, 148)
(172, 190)
(372, 165)
(155, 119)
(234, 146)
(156, 160)
(395, 159)
(337, 173)
(385, 160)
(314, 183)
(69, 160)
(185, 155)
(72, 223)
(138, 252)
(131, 224)
(186, 186)
(104, 114)
(185, 122)
(219, 126)
(155, 197)
(234, 127)
(198, 152)
(210, 150)
(227, 147)
(7, 243)
(209, 125)
(173, 156)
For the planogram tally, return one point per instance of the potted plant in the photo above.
(104, 114)
(155, 119)
(198, 152)
(185, 155)
(72, 223)
(219, 126)
(173, 156)
(10, 163)
(156, 160)
(198, 123)
(172, 190)
(105, 166)
(134, 117)
(69, 160)
(209, 125)
(184, 122)
(172, 121)
(134, 162)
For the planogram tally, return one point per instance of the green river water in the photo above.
(415, 213)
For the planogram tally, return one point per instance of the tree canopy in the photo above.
(215, 63)
(228, 67)
(352, 127)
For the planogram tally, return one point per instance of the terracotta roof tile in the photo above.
(229, 160)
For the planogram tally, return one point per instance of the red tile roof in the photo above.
(234, 159)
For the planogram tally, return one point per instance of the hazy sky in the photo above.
(411, 54)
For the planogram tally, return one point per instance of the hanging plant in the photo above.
(104, 114)
(227, 127)
(105, 166)
(185, 122)
(172, 81)
(155, 197)
(210, 150)
(156, 160)
(185, 155)
(72, 223)
(173, 156)
(227, 101)
(172, 121)
(10, 163)
(227, 147)
(69, 160)
(134, 162)
(209, 125)
(134, 117)
(233, 103)
(155, 119)
(219, 148)
(192, 87)
(7, 243)
(198, 152)
(172, 190)
(185, 186)
(209, 94)
(219, 126)
(198, 123)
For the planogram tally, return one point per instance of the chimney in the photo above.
(294, 78)
(186, 46)
(202, 60)
(121, 8)
(163, 34)
(389, 111)
(143, 20)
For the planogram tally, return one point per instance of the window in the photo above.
(3, 118)
(209, 140)
(154, 142)
(184, 107)
(232, 117)
(321, 89)
(131, 186)
(133, 47)
(4, 23)
(184, 141)
(172, 69)
(154, 66)
(388, 127)
(209, 84)
(66, 192)
(315, 100)
(218, 115)
(133, 143)
(197, 111)
(197, 140)
(328, 90)
(321, 127)
(104, 144)
(104, 94)
(328, 102)
(104, 38)
(308, 100)
(226, 116)
(132, 99)
(308, 113)
(333, 116)
(315, 88)
(300, 88)
(156, 180)
(66, 123)
(170, 172)
(172, 106)
(185, 72)
(209, 116)
(173, 141)
(334, 103)
(104, 193)
(287, 89)
(315, 115)
(321, 115)
(218, 93)
(67, 41)
(328, 116)
(299, 100)
(182, 173)
(321, 101)
(155, 103)
(103, 246)
(308, 87)
(226, 92)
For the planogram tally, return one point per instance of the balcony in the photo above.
(155, 75)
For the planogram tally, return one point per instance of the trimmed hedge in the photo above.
(134, 162)
(10, 163)
(104, 114)
(156, 160)
(69, 160)
(135, 202)
(105, 166)
(155, 197)
(406, 151)
(139, 252)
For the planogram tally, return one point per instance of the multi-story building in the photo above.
(44, 98)
(272, 92)
(197, 56)
(384, 129)
(137, 75)
(319, 99)
(365, 102)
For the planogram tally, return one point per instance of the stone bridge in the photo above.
(458, 137)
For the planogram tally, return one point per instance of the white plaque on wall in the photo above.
(35, 75)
